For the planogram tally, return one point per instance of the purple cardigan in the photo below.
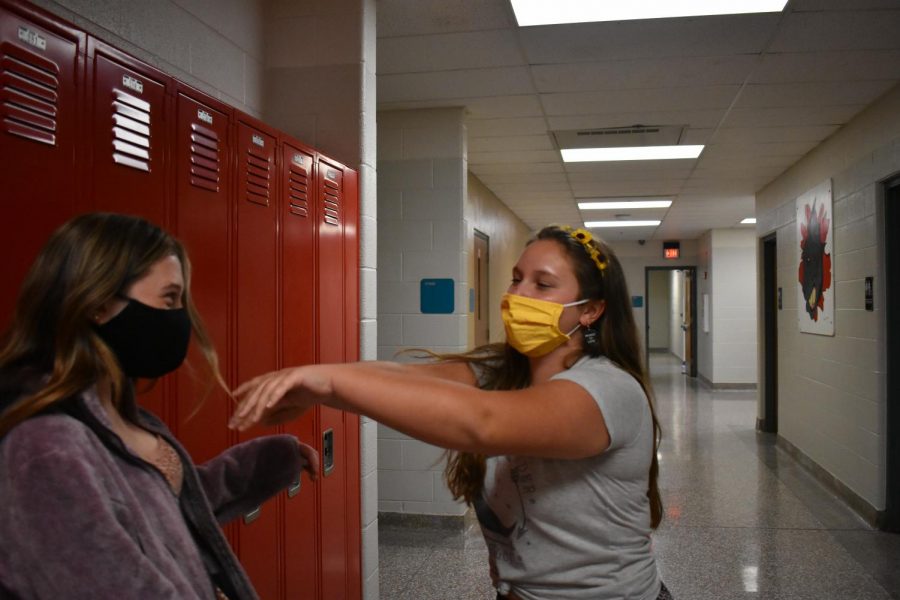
(81, 516)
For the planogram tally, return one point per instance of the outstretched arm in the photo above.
(556, 419)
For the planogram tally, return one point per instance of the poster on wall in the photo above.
(815, 251)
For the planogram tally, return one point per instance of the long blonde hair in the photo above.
(501, 367)
(86, 263)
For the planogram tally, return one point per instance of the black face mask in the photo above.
(149, 342)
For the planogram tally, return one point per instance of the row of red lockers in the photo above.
(271, 228)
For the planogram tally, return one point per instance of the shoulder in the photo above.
(46, 435)
(602, 373)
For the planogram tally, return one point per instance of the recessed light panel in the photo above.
(626, 204)
(544, 12)
(597, 224)
(630, 153)
(749, 221)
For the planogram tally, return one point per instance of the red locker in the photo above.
(129, 152)
(256, 349)
(298, 327)
(202, 221)
(42, 69)
(331, 338)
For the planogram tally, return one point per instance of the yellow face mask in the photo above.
(532, 326)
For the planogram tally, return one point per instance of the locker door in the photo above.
(331, 332)
(128, 154)
(298, 347)
(41, 68)
(259, 535)
(203, 192)
(128, 115)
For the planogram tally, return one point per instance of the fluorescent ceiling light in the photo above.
(543, 12)
(614, 205)
(595, 224)
(630, 153)
(749, 221)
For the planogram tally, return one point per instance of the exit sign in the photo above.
(671, 250)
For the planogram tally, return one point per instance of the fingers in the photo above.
(312, 460)
(261, 395)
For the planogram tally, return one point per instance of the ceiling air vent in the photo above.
(618, 137)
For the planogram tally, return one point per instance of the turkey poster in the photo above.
(815, 250)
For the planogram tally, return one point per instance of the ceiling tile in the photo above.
(506, 127)
(838, 30)
(454, 84)
(812, 94)
(402, 17)
(520, 142)
(757, 135)
(665, 99)
(845, 65)
(644, 73)
(792, 115)
(468, 50)
(652, 38)
(692, 118)
(513, 156)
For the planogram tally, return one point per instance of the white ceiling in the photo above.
(759, 90)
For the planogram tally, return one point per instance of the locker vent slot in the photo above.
(298, 191)
(29, 94)
(204, 158)
(131, 131)
(258, 177)
(331, 209)
(331, 197)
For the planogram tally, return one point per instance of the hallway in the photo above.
(743, 519)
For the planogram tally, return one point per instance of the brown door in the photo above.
(482, 296)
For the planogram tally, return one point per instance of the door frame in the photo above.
(769, 260)
(889, 520)
(482, 296)
(692, 330)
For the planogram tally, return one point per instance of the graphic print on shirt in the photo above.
(502, 509)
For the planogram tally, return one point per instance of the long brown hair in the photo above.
(501, 367)
(86, 263)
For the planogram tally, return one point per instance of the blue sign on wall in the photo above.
(637, 301)
(436, 296)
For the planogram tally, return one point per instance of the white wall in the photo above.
(218, 47)
(659, 303)
(831, 390)
(508, 236)
(422, 184)
(733, 306)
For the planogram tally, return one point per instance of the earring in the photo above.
(591, 336)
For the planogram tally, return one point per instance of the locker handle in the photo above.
(252, 515)
(294, 488)
(328, 451)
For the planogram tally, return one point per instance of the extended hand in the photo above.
(280, 396)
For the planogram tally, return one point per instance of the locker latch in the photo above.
(328, 451)
(252, 515)
(294, 488)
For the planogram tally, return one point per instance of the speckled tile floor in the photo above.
(743, 519)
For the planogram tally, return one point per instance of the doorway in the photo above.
(890, 521)
(482, 291)
(770, 300)
(681, 303)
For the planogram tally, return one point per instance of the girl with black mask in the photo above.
(98, 499)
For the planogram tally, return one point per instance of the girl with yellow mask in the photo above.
(552, 434)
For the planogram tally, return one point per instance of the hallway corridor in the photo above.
(743, 519)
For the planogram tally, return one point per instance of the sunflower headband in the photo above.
(584, 237)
